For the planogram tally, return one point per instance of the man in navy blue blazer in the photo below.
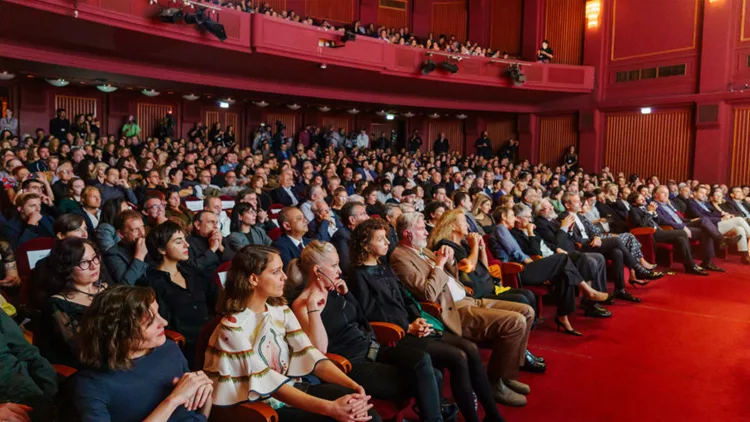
(294, 225)
(284, 194)
(325, 224)
(700, 207)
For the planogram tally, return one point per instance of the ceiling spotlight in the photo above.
(5, 76)
(150, 92)
(261, 104)
(433, 116)
(59, 83)
(228, 100)
(323, 66)
(171, 15)
(408, 114)
(381, 113)
(353, 111)
(324, 109)
(462, 116)
(294, 106)
(106, 88)
(191, 97)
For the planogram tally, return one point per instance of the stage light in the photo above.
(205, 23)
(428, 67)
(348, 36)
(449, 67)
(515, 72)
(171, 15)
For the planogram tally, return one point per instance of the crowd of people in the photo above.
(447, 43)
(325, 241)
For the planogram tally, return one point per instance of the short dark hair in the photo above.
(431, 208)
(347, 211)
(633, 197)
(67, 223)
(123, 217)
(159, 237)
(458, 197)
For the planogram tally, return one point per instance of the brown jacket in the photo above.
(429, 284)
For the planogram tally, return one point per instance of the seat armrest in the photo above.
(643, 231)
(535, 257)
(245, 412)
(176, 337)
(64, 371)
(511, 268)
(343, 364)
(432, 308)
(667, 227)
(387, 333)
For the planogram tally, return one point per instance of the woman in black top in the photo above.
(335, 323)
(185, 300)
(570, 161)
(384, 298)
(74, 284)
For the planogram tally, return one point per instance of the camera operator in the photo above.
(544, 54)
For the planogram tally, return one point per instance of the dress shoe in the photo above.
(610, 300)
(508, 397)
(596, 311)
(697, 271)
(533, 357)
(710, 266)
(566, 330)
(731, 240)
(533, 366)
(624, 295)
(745, 260)
(517, 386)
(641, 272)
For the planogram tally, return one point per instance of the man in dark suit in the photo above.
(441, 145)
(680, 201)
(611, 247)
(352, 214)
(325, 224)
(284, 194)
(126, 261)
(617, 224)
(699, 228)
(700, 207)
(205, 245)
(736, 204)
(646, 216)
(455, 184)
(294, 225)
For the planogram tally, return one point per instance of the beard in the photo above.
(420, 244)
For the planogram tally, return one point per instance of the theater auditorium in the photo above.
(374, 210)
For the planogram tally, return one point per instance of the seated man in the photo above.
(431, 277)
(126, 261)
(591, 265)
(205, 245)
(29, 223)
(28, 383)
(314, 193)
(701, 228)
(214, 204)
(325, 224)
(294, 226)
(284, 194)
(115, 187)
(646, 216)
(352, 214)
(736, 204)
(699, 207)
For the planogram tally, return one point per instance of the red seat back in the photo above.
(220, 276)
(203, 338)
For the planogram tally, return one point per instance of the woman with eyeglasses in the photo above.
(335, 323)
(185, 301)
(340, 198)
(75, 282)
(244, 230)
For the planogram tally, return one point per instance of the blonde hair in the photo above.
(315, 253)
(444, 227)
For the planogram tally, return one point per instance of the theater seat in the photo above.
(27, 255)
(275, 233)
(220, 276)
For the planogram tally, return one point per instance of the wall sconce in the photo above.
(593, 9)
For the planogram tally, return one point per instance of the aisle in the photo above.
(683, 354)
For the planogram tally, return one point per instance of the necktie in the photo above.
(300, 246)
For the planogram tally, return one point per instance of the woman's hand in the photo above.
(12, 412)
(316, 301)
(420, 328)
(350, 408)
(188, 386)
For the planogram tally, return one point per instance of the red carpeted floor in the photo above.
(683, 354)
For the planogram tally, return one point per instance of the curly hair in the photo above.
(63, 259)
(361, 238)
(112, 327)
(252, 259)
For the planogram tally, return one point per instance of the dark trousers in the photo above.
(399, 373)
(593, 269)
(613, 248)
(707, 233)
(559, 270)
(680, 241)
(323, 391)
(467, 373)
(516, 295)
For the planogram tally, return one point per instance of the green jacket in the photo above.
(25, 376)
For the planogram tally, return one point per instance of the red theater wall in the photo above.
(449, 18)
(650, 144)
(563, 27)
(506, 21)
(740, 174)
(556, 135)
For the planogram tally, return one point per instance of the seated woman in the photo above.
(105, 234)
(334, 320)
(185, 301)
(432, 211)
(244, 230)
(259, 347)
(133, 373)
(73, 201)
(556, 268)
(555, 198)
(482, 208)
(384, 298)
(339, 199)
(75, 282)
(176, 210)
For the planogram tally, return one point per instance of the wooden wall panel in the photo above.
(394, 17)
(506, 25)
(500, 131)
(384, 127)
(289, 120)
(741, 147)
(556, 135)
(277, 5)
(450, 18)
(76, 105)
(565, 22)
(149, 115)
(660, 143)
(453, 131)
(332, 10)
(336, 122)
(211, 118)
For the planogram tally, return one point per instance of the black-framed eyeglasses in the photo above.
(87, 263)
